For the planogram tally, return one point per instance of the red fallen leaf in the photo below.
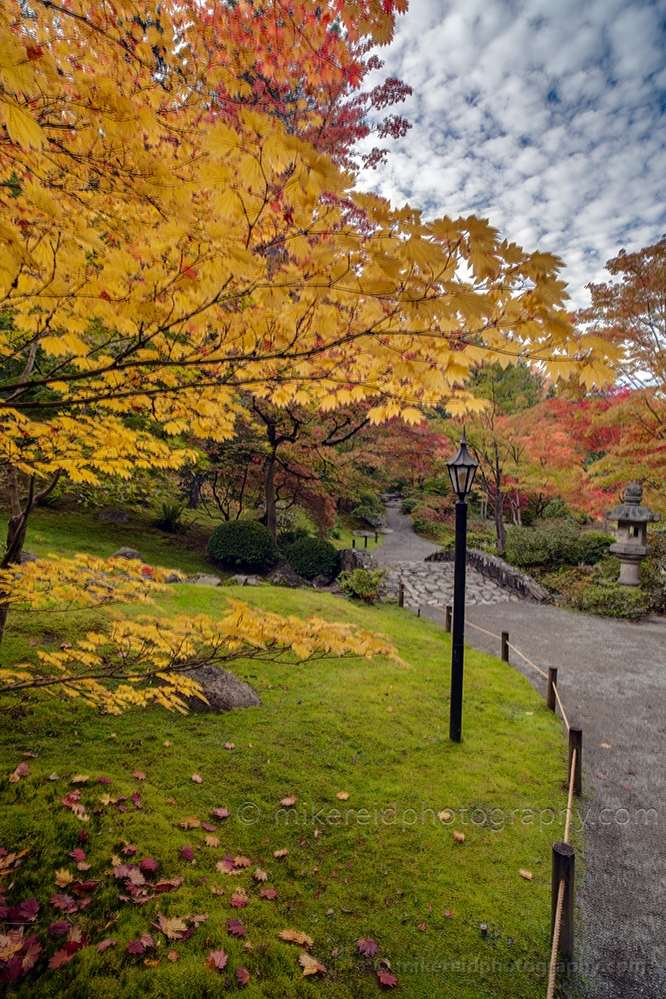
(139, 774)
(235, 927)
(197, 779)
(367, 946)
(229, 745)
(31, 951)
(104, 780)
(422, 927)
(243, 976)
(173, 955)
(22, 770)
(221, 813)
(121, 808)
(386, 978)
(147, 940)
(208, 827)
(65, 903)
(136, 798)
(448, 914)
(28, 910)
(59, 929)
(187, 853)
(135, 947)
(148, 866)
(289, 800)
(217, 960)
(78, 855)
(104, 945)
(239, 899)
(60, 958)
(168, 884)
(129, 850)
(82, 887)
(268, 893)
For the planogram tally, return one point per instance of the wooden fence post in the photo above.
(449, 611)
(552, 683)
(563, 867)
(576, 742)
(401, 595)
(365, 540)
(505, 646)
(353, 542)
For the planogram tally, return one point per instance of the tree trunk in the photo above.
(269, 488)
(194, 500)
(499, 522)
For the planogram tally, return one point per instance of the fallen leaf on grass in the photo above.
(104, 780)
(190, 822)
(172, 929)
(268, 893)
(152, 964)
(310, 965)
(367, 946)
(229, 745)
(386, 978)
(83, 866)
(129, 849)
(221, 813)
(422, 927)
(173, 955)
(235, 927)
(197, 779)
(459, 837)
(290, 800)
(390, 709)
(80, 779)
(444, 816)
(168, 884)
(242, 862)
(63, 878)
(187, 853)
(527, 875)
(317, 833)
(217, 891)
(217, 960)
(167, 743)
(78, 854)
(29, 910)
(239, 899)
(448, 914)
(59, 929)
(171, 801)
(211, 841)
(208, 827)
(260, 875)
(343, 795)
(280, 853)
(242, 976)
(148, 865)
(295, 936)
(60, 958)
(104, 945)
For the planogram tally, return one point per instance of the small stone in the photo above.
(131, 554)
(201, 579)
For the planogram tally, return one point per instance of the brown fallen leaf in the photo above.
(139, 774)
(290, 800)
(83, 865)
(171, 801)
(197, 779)
(260, 875)
(167, 743)
(280, 853)
(390, 709)
(525, 874)
(211, 841)
(444, 816)
(310, 965)
(343, 795)
(172, 929)
(173, 955)
(458, 837)
(155, 963)
(295, 936)
(242, 862)
(268, 893)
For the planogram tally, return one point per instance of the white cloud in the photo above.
(547, 116)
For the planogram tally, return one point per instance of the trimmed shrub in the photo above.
(243, 544)
(312, 557)
(554, 543)
(361, 584)
(409, 503)
(370, 506)
(286, 539)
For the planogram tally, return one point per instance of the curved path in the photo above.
(612, 679)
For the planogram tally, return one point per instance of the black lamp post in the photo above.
(462, 469)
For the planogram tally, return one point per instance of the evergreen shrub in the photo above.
(243, 544)
(312, 557)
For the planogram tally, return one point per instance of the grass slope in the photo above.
(392, 873)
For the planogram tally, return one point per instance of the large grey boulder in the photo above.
(129, 553)
(201, 579)
(223, 690)
(113, 517)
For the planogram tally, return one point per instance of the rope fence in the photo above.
(562, 882)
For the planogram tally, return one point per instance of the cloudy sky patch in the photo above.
(546, 116)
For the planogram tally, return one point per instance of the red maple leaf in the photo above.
(386, 978)
(367, 946)
(217, 960)
(243, 976)
(235, 927)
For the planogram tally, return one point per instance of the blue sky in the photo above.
(545, 116)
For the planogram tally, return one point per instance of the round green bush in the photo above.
(243, 544)
(593, 545)
(312, 557)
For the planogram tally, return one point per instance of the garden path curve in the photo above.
(612, 679)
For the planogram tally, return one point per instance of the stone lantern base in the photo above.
(630, 557)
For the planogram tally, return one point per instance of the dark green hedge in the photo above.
(243, 544)
(312, 557)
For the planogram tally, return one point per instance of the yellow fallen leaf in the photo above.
(80, 779)
(297, 937)
(343, 795)
(63, 877)
(310, 965)
(525, 874)
(280, 853)
(190, 822)
(444, 816)
(389, 709)
(459, 837)
(155, 963)
(606, 745)
(211, 841)
(260, 875)
(167, 742)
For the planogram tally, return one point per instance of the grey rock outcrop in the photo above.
(223, 690)
(129, 553)
(113, 517)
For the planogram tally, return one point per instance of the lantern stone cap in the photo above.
(631, 509)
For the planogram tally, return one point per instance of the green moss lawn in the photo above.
(384, 867)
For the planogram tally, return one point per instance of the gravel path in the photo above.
(612, 679)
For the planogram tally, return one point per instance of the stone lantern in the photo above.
(632, 521)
